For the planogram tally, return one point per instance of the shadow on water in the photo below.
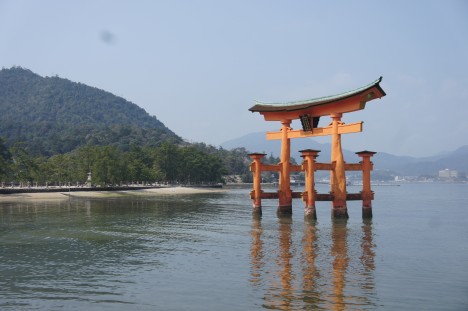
(320, 268)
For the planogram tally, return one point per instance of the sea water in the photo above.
(207, 252)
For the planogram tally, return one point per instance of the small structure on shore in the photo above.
(89, 181)
(309, 113)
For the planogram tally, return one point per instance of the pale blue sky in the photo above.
(199, 65)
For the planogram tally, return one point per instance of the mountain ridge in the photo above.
(55, 115)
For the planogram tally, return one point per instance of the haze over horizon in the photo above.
(198, 66)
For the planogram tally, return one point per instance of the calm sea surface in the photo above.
(207, 252)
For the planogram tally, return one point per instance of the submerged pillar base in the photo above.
(284, 210)
(339, 209)
(310, 213)
(367, 212)
(257, 210)
(340, 212)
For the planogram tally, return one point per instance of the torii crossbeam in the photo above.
(309, 112)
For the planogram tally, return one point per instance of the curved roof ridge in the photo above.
(319, 100)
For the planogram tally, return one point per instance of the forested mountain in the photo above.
(52, 115)
(54, 132)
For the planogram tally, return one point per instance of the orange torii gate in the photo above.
(309, 113)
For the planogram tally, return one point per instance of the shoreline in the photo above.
(68, 189)
(65, 195)
(88, 189)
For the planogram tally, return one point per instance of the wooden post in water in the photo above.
(256, 193)
(367, 194)
(284, 191)
(337, 174)
(308, 166)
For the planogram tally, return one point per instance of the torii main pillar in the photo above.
(338, 175)
(337, 171)
(284, 184)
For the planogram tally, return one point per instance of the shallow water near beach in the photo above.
(207, 252)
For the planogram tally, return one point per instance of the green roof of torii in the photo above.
(303, 104)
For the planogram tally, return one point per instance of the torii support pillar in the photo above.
(284, 185)
(308, 165)
(256, 194)
(367, 194)
(338, 176)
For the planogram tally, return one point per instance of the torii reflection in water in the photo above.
(317, 275)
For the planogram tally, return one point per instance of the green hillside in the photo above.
(54, 132)
(52, 115)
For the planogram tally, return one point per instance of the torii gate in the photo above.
(309, 112)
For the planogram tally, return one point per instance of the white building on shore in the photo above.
(448, 174)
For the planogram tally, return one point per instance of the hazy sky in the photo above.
(199, 65)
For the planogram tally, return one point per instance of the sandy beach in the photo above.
(65, 195)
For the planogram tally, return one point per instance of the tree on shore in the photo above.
(167, 163)
(5, 159)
